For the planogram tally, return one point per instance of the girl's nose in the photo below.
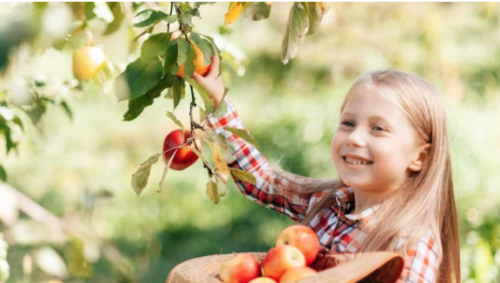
(355, 138)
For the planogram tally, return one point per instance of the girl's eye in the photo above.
(347, 123)
(378, 128)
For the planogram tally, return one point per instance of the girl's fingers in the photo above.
(214, 70)
(199, 79)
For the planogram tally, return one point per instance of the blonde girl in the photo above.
(394, 190)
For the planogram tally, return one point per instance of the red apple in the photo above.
(303, 238)
(262, 280)
(240, 269)
(296, 274)
(281, 259)
(184, 157)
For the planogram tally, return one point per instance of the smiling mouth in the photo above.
(356, 161)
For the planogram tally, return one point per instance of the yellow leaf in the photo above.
(235, 9)
(323, 7)
(212, 192)
(220, 163)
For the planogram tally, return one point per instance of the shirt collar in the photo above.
(344, 198)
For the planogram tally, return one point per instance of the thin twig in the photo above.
(171, 10)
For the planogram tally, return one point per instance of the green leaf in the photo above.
(189, 65)
(203, 116)
(9, 143)
(137, 105)
(160, 189)
(18, 122)
(141, 176)
(139, 78)
(175, 120)
(183, 48)
(198, 4)
(154, 46)
(195, 12)
(203, 159)
(186, 18)
(244, 135)
(298, 22)
(178, 90)
(243, 175)
(205, 47)
(222, 107)
(258, 11)
(212, 192)
(89, 10)
(149, 17)
(36, 111)
(170, 58)
(67, 109)
(315, 16)
(3, 174)
(207, 99)
(118, 15)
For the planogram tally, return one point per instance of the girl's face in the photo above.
(375, 144)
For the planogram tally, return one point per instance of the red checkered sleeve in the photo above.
(250, 159)
(421, 262)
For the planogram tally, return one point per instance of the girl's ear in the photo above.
(423, 154)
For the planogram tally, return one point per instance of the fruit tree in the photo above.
(168, 48)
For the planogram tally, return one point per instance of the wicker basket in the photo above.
(383, 267)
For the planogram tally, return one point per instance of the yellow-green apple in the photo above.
(184, 157)
(262, 280)
(88, 61)
(240, 269)
(280, 259)
(303, 238)
(296, 274)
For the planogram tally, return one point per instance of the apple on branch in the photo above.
(184, 157)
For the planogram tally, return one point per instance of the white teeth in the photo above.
(356, 161)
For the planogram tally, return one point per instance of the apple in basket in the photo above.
(303, 238)
(240, 269)
(263, 280)
(281, 259)
(296, 274)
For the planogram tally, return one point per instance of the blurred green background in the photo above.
(80, 170)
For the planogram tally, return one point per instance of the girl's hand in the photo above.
(212, 82)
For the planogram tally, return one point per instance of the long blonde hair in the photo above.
(426, 199)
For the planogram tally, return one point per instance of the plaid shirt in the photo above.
(336, 228)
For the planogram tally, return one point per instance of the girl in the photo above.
(394, 191)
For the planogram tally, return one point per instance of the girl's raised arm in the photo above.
(249, 158)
